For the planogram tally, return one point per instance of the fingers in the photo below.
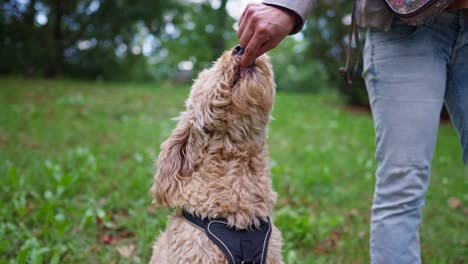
(245, 20)
(251, 49)
(244, 13)
(242, 22)
(266, 47)
(246, 36)
(260, 30)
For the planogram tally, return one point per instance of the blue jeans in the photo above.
(410, 72)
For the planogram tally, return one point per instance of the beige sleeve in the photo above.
(301, 7)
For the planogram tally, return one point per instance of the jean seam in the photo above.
(373, 91)
(372, 69)
(455, 46)
(459, 109)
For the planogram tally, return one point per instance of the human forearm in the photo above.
(301, 8)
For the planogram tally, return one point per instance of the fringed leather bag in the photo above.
(417, 12)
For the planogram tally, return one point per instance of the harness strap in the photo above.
(247, 254)
(240, 246)
(201, 222)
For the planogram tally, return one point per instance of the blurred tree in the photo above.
(326, 35)
(201, 34)
(148, 39)
(111, 39)
(51, 36)
(220, 27)
(295, 72)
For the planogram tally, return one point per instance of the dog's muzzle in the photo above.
(238, 50)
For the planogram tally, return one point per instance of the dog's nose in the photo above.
(238, 50)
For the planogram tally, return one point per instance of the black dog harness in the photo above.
(240, 246)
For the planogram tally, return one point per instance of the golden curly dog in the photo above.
(215, 162)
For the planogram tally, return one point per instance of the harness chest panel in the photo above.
(240, 246)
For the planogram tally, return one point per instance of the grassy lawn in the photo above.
(76, 166)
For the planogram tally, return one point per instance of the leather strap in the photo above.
(353, 34)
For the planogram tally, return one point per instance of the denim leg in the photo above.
(405, 72)
(456, 97)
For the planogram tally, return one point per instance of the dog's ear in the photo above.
(175, 165)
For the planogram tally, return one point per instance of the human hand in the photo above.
(261, 28)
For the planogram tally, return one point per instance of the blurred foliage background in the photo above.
(87, 93)
(162, 41)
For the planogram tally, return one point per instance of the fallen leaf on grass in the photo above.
(454, 203)
(126, 250)
(110, 225)
(110, 232)
(126, 234)
(95, 248)
(28, 94)
(102, 202)
(124, 157)
(108, 239)
(120, 213)
(353, 212)
(324, 248)
(328, 245)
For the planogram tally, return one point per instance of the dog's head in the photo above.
(226, 91)
(226, 102)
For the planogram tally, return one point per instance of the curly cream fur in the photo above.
(215, 162)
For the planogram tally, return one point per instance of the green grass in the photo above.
(76, 165)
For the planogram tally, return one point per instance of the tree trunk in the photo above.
(56, 57)
(219, 42)
(30, 40)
